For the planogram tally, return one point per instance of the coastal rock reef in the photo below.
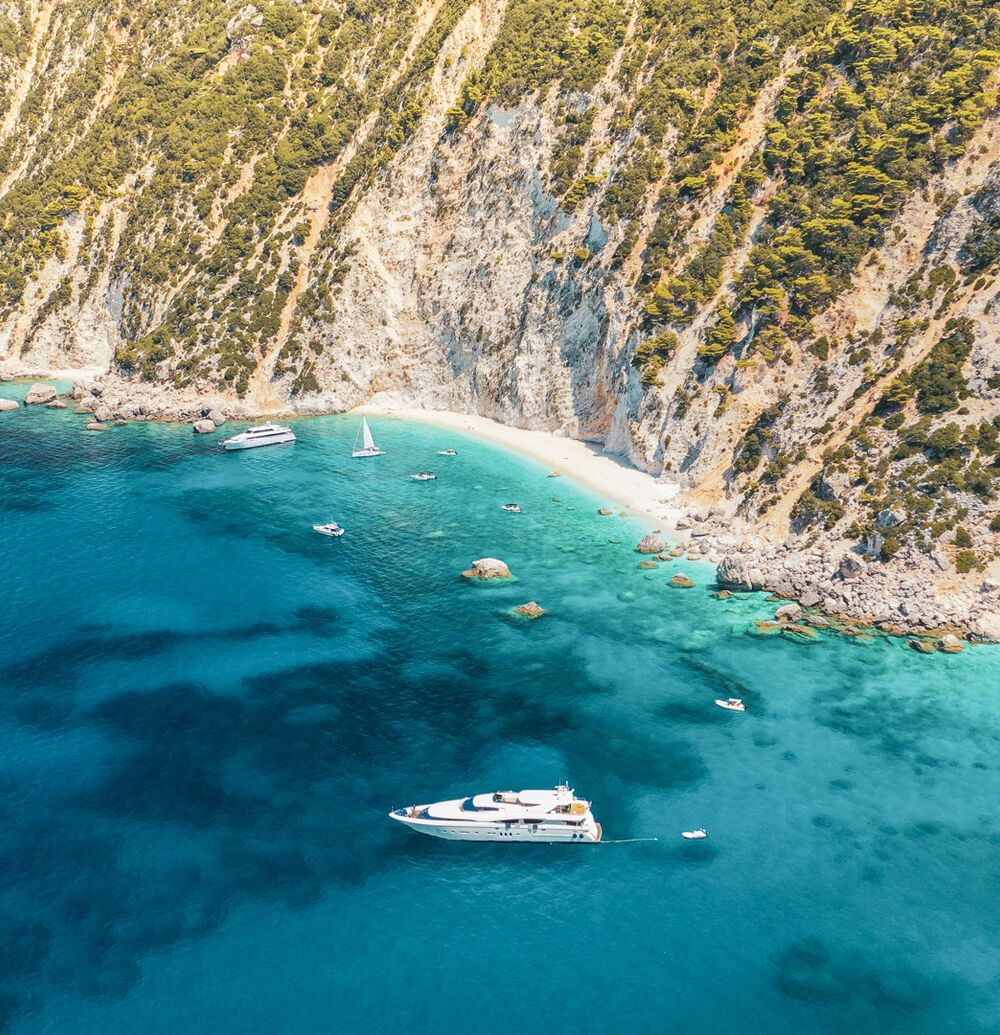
(751, 247)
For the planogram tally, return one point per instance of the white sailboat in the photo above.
(368, 443)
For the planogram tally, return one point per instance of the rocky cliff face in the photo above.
(752, 250)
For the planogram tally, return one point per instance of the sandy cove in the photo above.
(909, 597)
(610, 476)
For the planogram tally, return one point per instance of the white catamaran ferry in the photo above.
(262, 435)
(542, 816)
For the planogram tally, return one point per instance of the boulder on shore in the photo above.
(487, 568)
(788, 613)
(810, 598)
(951, 644)
(56, 404)
(851, 567)
(651, 543)
(530, 610)
(39, 393)
(204, 426)
(217, 417)
(96, 425)
(738, 571)
(9, 404)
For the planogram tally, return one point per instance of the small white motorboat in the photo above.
(511, 508)
(331, 528)
(695, 835)
(423, 476)
(733, 704)
(447, 452)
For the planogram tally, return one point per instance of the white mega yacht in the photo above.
(542, 816)
(262, 435)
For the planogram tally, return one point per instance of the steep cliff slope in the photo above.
(751, 246)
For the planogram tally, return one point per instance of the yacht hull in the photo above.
(537, 834)
(283, 441)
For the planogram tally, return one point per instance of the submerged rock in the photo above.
(723, 594)
(39, 393)
(487, 568)
(604, 512)
(652, 543)
(799, 632)
(648, 564)
(922, 646)
(762, 627)
(56, 404)
(96, 425)
(530, 610)
(682, 581)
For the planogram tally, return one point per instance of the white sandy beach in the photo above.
(608, 475)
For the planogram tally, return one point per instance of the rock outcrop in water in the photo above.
(487, 568)
(39, 393)
(652, 542)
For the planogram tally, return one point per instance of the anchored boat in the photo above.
(262, 435)
(541, 816)
(368, 447)
(733, 704)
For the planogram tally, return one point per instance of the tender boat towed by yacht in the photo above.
(733, 704)
(447, 452)
(541, 816)
(261, 435)
(423, 476)
(511, 508)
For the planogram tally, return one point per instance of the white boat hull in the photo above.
(368, 452)
(278, 440)
(541, 833)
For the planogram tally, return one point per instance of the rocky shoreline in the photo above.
(902, 598)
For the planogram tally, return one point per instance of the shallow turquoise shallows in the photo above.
(207, 711)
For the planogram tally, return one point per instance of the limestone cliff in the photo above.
(751, 247)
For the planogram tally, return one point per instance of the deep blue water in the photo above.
(207, 710)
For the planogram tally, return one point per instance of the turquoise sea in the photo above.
(207, 710)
